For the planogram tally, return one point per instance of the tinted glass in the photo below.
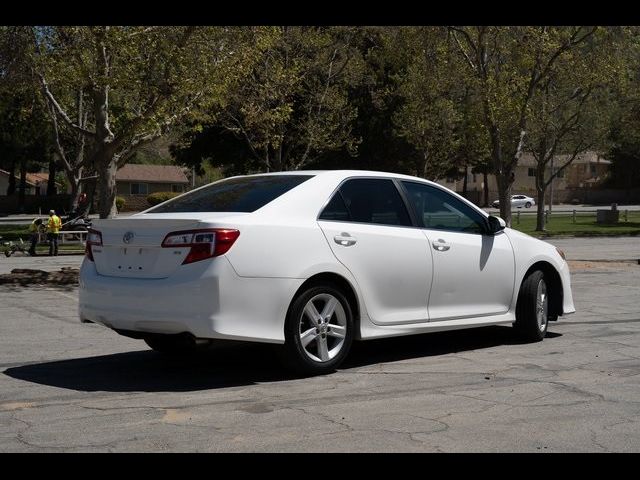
(245, 194)
(372, 201)
(439, 210)
(336, 210)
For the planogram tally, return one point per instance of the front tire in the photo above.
(527, 205)
(319, 330)
(532, 310)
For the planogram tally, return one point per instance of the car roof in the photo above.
(346, 174)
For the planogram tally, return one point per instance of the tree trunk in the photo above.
(505, 183)
(90, 189)
(51, 182)
(541, 190)
(11, 189)
(464, 183)
(106, 188)
(23, 185)
(73, 177)
(74, 182)
(486, 188)
(540, 225)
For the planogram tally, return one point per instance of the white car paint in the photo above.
(402, 283)
(518, 201)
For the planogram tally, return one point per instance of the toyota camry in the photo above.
(314, 260)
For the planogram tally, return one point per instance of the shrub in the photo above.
(120, 203)
(159, 197)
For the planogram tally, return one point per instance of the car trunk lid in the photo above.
(132, 246)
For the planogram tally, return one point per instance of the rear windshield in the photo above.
(243, 194)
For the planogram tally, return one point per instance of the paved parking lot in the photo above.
(66, 386)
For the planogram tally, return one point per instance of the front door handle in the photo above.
(344, 239)
(440, 245)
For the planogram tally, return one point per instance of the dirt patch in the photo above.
(27, 276)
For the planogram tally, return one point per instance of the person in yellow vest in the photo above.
(53, 228)
(34, 230)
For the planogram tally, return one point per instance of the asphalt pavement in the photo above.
(71, 387)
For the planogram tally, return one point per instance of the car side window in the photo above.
(367, 200)
(336, 210)
(438, 210)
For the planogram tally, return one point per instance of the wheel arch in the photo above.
(343, 285)
(554, 284)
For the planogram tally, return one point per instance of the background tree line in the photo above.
(429, 101)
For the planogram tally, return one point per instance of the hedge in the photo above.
(159, 197)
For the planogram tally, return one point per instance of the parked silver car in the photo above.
(517, 201)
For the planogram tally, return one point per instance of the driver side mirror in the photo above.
(495, 224)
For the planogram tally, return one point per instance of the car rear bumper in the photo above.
(207, 299)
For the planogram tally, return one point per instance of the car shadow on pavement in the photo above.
(237, 365)
(432, 344)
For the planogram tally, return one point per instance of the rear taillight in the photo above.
(206, 243)
(94, 238)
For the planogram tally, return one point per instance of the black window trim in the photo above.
(403, 194)
(368, 177)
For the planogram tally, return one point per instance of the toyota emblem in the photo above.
(128, 237)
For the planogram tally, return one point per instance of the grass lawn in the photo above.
(14, 233)
(585, 225)
(559, 224)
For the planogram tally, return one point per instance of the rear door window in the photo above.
(367, 200)
(242, 194)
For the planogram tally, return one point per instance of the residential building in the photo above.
(135, 179)
(586, 171)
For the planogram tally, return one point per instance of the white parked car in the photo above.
(313, 261)
(518, 201)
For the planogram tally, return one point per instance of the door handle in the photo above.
(344, 239)
(440, 245)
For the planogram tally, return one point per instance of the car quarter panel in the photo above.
(212, 302)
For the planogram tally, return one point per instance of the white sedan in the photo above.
(518, 201)
(313, 261)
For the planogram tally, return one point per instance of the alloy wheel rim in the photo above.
(322, 328)
(542, 302)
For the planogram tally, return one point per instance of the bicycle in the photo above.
(10, 247)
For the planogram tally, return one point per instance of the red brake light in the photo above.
(94, 237)
(205, 243)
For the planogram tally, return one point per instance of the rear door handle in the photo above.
(344, 239)
(440, 245)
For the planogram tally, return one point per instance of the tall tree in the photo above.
(132, 84)
(24, 134)
(439, 115)
(572, 108)
(505, 65)
(293, 104)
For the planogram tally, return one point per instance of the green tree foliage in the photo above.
(505, 67)
(572, 109)
(624, 136)
(135, 84)
(292, 105)
(24, 135)
(440, 114)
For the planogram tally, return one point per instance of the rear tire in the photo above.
(171, 344)
(319, 330)
(532, 310)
